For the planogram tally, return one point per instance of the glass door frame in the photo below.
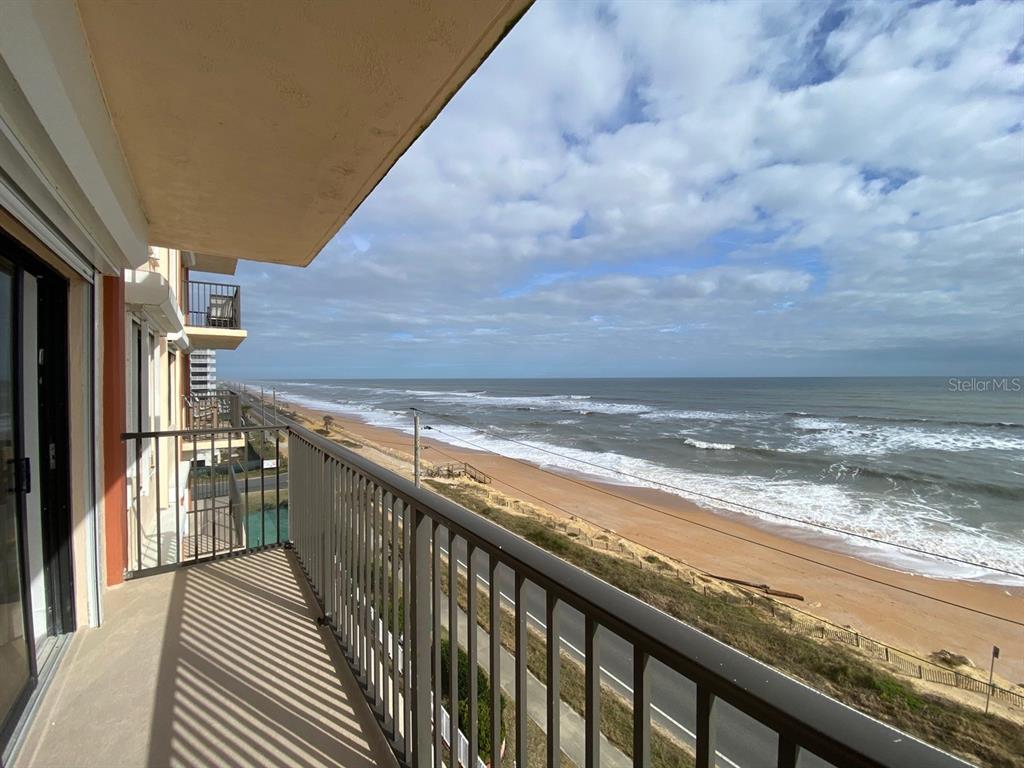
(52, 459)
(10, 719)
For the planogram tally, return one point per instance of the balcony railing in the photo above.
(201, 493)
(398, 570)
(215, 409)
(214, 305)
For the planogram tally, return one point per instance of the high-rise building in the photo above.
(203, 371)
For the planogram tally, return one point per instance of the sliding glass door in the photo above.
(15, 662)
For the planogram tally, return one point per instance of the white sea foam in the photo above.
(843, 438)
(694, 443)
(377, 417)
(577, 403)
(698, 415)
(910, 522)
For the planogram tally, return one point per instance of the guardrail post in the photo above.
(421, 639)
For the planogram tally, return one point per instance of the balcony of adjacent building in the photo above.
(213, 316)
(290, 605)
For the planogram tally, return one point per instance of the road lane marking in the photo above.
(607, 673)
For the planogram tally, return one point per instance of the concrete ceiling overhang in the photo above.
(254, 130)
(221, 265)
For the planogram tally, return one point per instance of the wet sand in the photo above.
(839, 587)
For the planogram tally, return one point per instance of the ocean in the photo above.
(931, 463)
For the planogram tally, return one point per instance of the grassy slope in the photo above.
(987, 739)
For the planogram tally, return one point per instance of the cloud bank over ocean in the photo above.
(697, 189)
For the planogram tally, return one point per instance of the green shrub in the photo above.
(483, 688)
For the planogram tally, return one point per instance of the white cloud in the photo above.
(782, 178)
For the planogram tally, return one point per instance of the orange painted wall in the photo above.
(115, 503)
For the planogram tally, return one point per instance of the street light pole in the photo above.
(416, 449)
(991, 672)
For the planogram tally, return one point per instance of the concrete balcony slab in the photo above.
(220, 664)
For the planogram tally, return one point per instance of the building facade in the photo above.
(203, 371)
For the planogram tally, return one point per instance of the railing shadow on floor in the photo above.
(246, 676)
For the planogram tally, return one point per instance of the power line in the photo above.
(737, 536)
(740, 505)
(703, 572)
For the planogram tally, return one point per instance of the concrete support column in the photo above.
(115, 500)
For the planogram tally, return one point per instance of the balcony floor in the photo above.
(214, 664)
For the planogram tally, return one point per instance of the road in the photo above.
(269, 482)
(742, 741)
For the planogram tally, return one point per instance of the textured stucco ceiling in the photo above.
(254, 130)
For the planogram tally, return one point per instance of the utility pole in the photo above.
(416, 448)
(991, 671)
(263, 407)
(275, 405)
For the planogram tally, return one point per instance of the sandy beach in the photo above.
(841, 588)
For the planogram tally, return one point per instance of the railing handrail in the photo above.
(233, 286)
(202, 431)
(200, 306)
(797, 712)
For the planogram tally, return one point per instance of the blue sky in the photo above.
(687, 189)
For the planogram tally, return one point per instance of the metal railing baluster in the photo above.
(263, 490)
(789, 753)
(472, 614)
(159, 553)
(366, 591)
(554, 688)
(435, 577)
(592, 694)
(213, 489)
(521, 672)
(138, 504)
(385, 604)
(705, 727)
(453, 646)
(232, 491)
(177, 498)
(495, 662)
(419, 730)
(194, 483)
(411, 512)
(376, 508)
(395, 671)
(277, 481)
(245, 503)
(350, 562)
(641, 709)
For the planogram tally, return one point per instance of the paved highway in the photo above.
(742, 741)
(269, 482)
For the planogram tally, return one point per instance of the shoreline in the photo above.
(758, 551)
